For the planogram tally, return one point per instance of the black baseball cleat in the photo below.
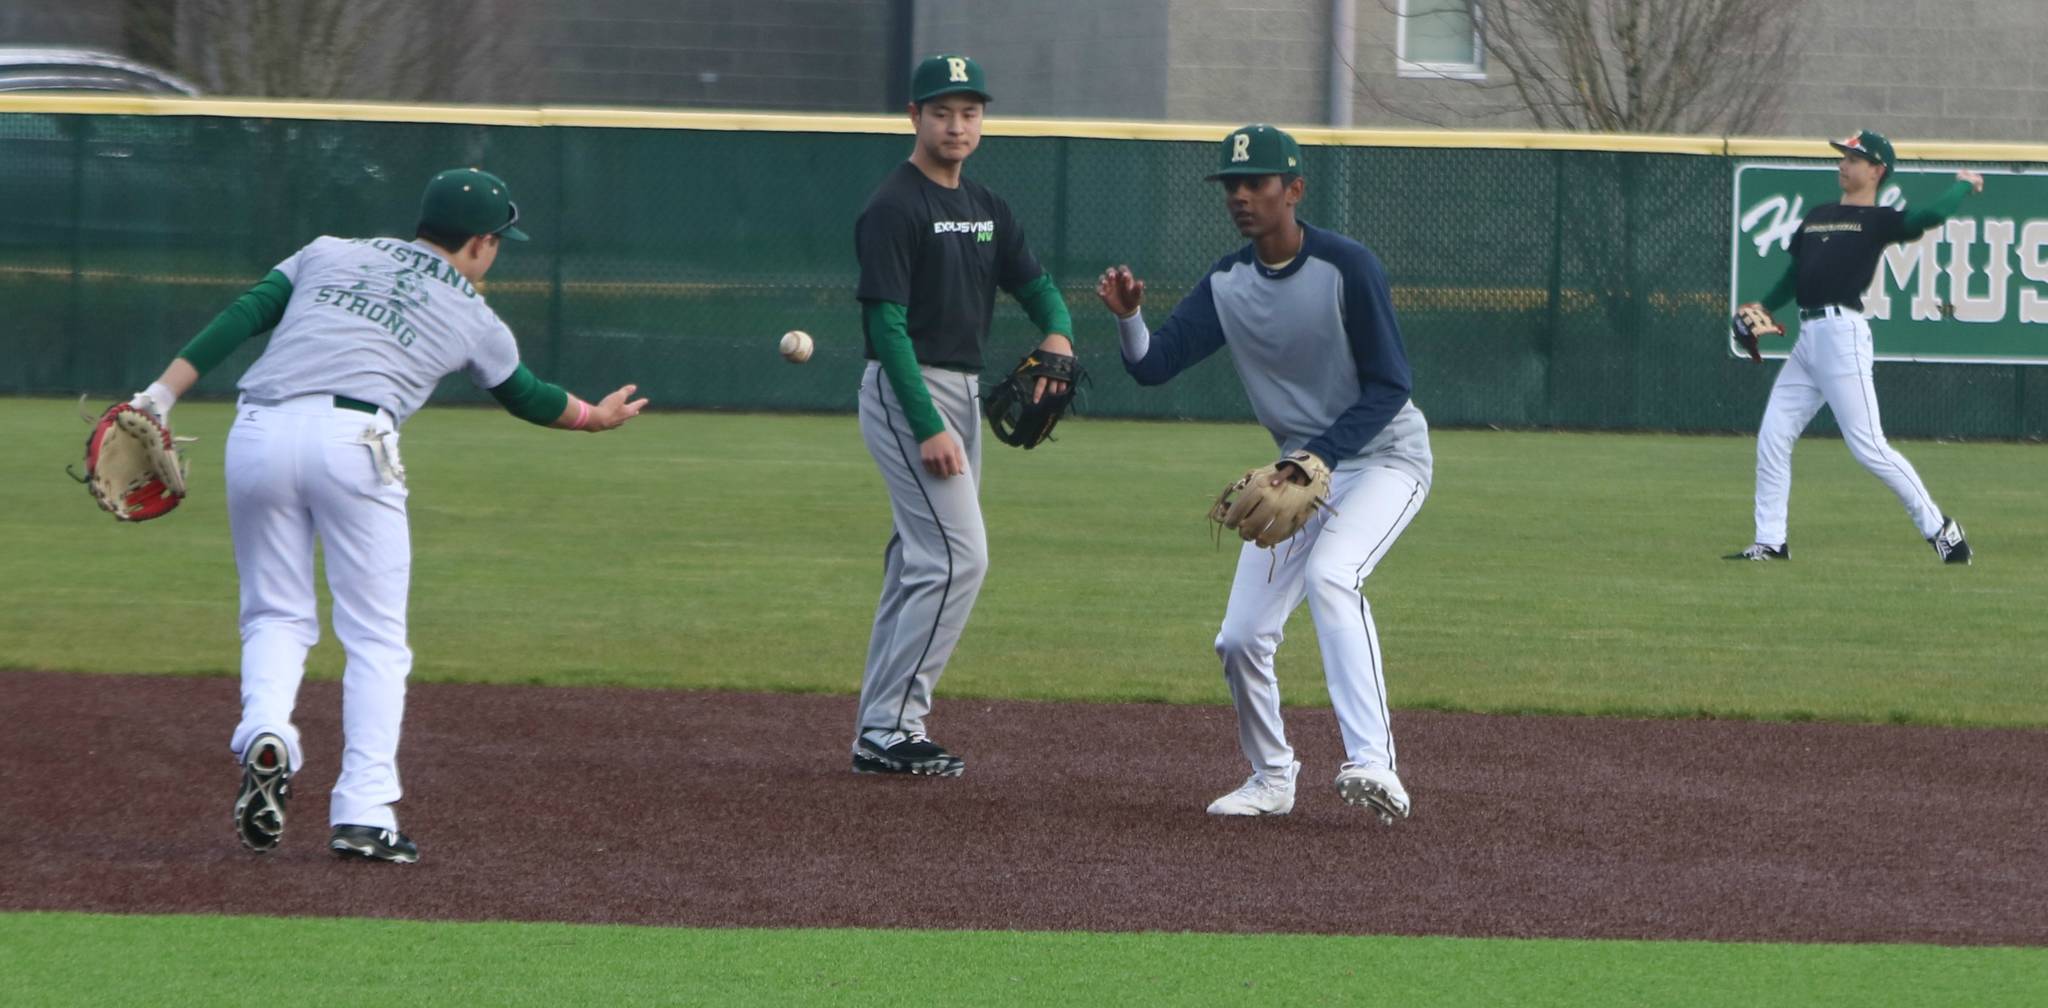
(1949, 543)
(372, 844)
(1759, 551)
(916, 755)
(266, 784)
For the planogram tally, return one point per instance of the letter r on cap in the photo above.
(958, 68)
(1241, 147)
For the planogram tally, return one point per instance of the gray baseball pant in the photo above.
(936, 558)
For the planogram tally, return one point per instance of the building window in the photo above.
(1440, 38)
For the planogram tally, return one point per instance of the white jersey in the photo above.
(382, 320)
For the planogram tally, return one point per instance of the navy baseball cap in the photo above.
(946, 74)
(1258, 149)
(470, 201)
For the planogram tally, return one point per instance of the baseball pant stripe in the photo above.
(937, 560)
(1832, 363)
(1866, 441)
(1379, 677)
(913, 462)
(1326, 565)
(1370, 509)
(1379, 681)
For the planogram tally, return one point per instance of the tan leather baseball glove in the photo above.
(1753, 322)
(1268, 505)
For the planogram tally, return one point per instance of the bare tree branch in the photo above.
(1638, 66)
(351, 49)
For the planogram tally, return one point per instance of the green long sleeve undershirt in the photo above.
(1048, 310)
(1918, 220)
(530, 399)
(256, 311)
(886, 325)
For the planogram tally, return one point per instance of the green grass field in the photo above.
(1568, 573)
(265, 962)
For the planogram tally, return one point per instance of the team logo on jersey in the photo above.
(983, 231)
(404, 289)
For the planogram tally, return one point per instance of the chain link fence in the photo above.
(1535, 288)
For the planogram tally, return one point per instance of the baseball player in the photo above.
(364, 329)
(1834, 255)
(1310, 325)
(933, 248)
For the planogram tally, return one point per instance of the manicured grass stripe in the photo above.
(67, 959)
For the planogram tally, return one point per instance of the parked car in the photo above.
(58, 68)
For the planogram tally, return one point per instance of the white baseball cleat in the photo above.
(1376, 788)
(1260, 795)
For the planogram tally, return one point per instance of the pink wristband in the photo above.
(582, 415)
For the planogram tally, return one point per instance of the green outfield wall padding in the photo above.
(1535, 288)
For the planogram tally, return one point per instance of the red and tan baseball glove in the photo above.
(134, 468)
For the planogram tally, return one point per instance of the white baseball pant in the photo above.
(1830, 363)
(1327, 562)
(302, 471)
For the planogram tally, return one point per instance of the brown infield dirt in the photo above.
(726, 809)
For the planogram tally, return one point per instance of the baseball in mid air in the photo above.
(796, 346)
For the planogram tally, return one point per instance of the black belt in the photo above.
(1809, 314)
(362, 407)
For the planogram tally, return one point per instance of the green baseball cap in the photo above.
(470, 201)
(1259, 149)
(1870, 146)
(946, 74)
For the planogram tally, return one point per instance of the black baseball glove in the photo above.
(1013, 416)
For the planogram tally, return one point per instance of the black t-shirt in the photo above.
(941, 253)
(1837, 249)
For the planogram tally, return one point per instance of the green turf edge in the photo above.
(71, 959)
(1428, 704)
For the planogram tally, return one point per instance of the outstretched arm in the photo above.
(537, 402)
(606, 414)
(1920, 218)
(256, 311)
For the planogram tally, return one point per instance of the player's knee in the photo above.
(1777, 433)
(298, 629)
(1235, 643)
(970, 567)
(1322, 576)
